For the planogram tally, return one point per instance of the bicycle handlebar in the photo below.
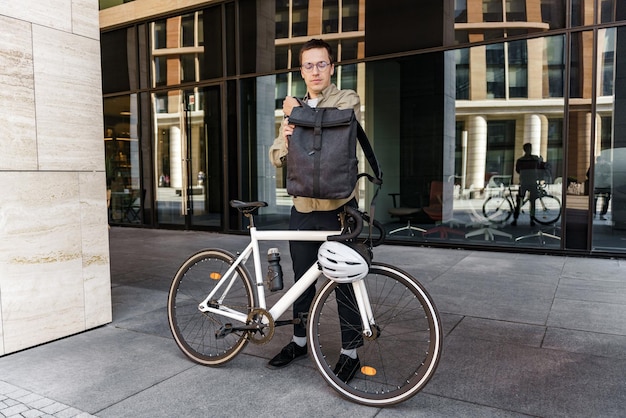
(358, 216)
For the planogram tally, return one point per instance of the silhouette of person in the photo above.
(601, 185)
(529, 167)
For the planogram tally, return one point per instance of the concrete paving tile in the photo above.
(93, 370)
(153, 323)
(425, 264)
(131, 301)
(505, 264)
(529, 380)
(608, 291)
(516, 298)
(593, 343)
(595, 269)
(424, 405)
(609, 318)
(243, 387)
(500, 331)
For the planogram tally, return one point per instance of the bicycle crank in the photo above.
(260, 326)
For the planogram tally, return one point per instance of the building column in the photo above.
(476, 151)
(532, 133)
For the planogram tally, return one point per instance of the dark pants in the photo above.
(303, 255)
(519, 199)
(605, 194)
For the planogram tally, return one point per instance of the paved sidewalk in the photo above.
(17, 402)
(525, 336)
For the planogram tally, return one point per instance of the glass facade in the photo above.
(193, 102)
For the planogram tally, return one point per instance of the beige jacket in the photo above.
(331, 96)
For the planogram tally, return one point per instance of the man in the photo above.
(317, 68)
(529, 167)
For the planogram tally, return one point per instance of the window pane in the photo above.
(200, 29)
(608, 168)
(495, 71)
(492, 11)
(282, 57)
(518, 73)
(118, 59)
(159, 34)
(350, 15)
(607, 56)
(348, 76)
(160, 71)
(349, 50)
(330, 16)
(187, 37)
(555, 66)
(188, 68)
(300, 16)
(460, 11)
(462, 74)
(282, 19)
(500, 147)
(122, 158)
(213, 62)
(553, 12)
(515, 10)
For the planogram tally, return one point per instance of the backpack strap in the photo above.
(378, 173)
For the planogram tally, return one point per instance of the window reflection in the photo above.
(122, 159)
(185, 35)
(330, 16)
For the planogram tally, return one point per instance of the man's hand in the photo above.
(288, 104)
(287, 131)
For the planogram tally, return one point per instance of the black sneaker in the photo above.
(532, 223)
(289, 353)
(514, 223)
(346, 368)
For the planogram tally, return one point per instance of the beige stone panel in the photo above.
(40, 258)
(17, 100)
(51, 13)
(68, 101)
(95, 249)
(85, 20)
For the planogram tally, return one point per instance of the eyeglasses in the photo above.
(321, 66)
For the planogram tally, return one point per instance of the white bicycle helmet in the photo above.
(344, 262)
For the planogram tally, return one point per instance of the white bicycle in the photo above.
(215, 307)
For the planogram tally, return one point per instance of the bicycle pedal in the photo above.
(224, 331)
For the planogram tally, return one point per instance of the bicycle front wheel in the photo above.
(196, 332)
(402, 355)
(497, 209)
(547, 210)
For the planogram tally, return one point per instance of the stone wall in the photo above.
(54, 247)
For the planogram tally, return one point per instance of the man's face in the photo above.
(316, 80)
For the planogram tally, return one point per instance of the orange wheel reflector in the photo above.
(368, 371)
(215, 275)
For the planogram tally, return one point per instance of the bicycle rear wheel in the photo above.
(497, 209)
(195, 331)
(403, 354)
(547, 209)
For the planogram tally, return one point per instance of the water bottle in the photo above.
(274, 271)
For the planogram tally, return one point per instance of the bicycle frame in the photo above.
(287, 300)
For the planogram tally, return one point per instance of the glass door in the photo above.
(187, 157)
